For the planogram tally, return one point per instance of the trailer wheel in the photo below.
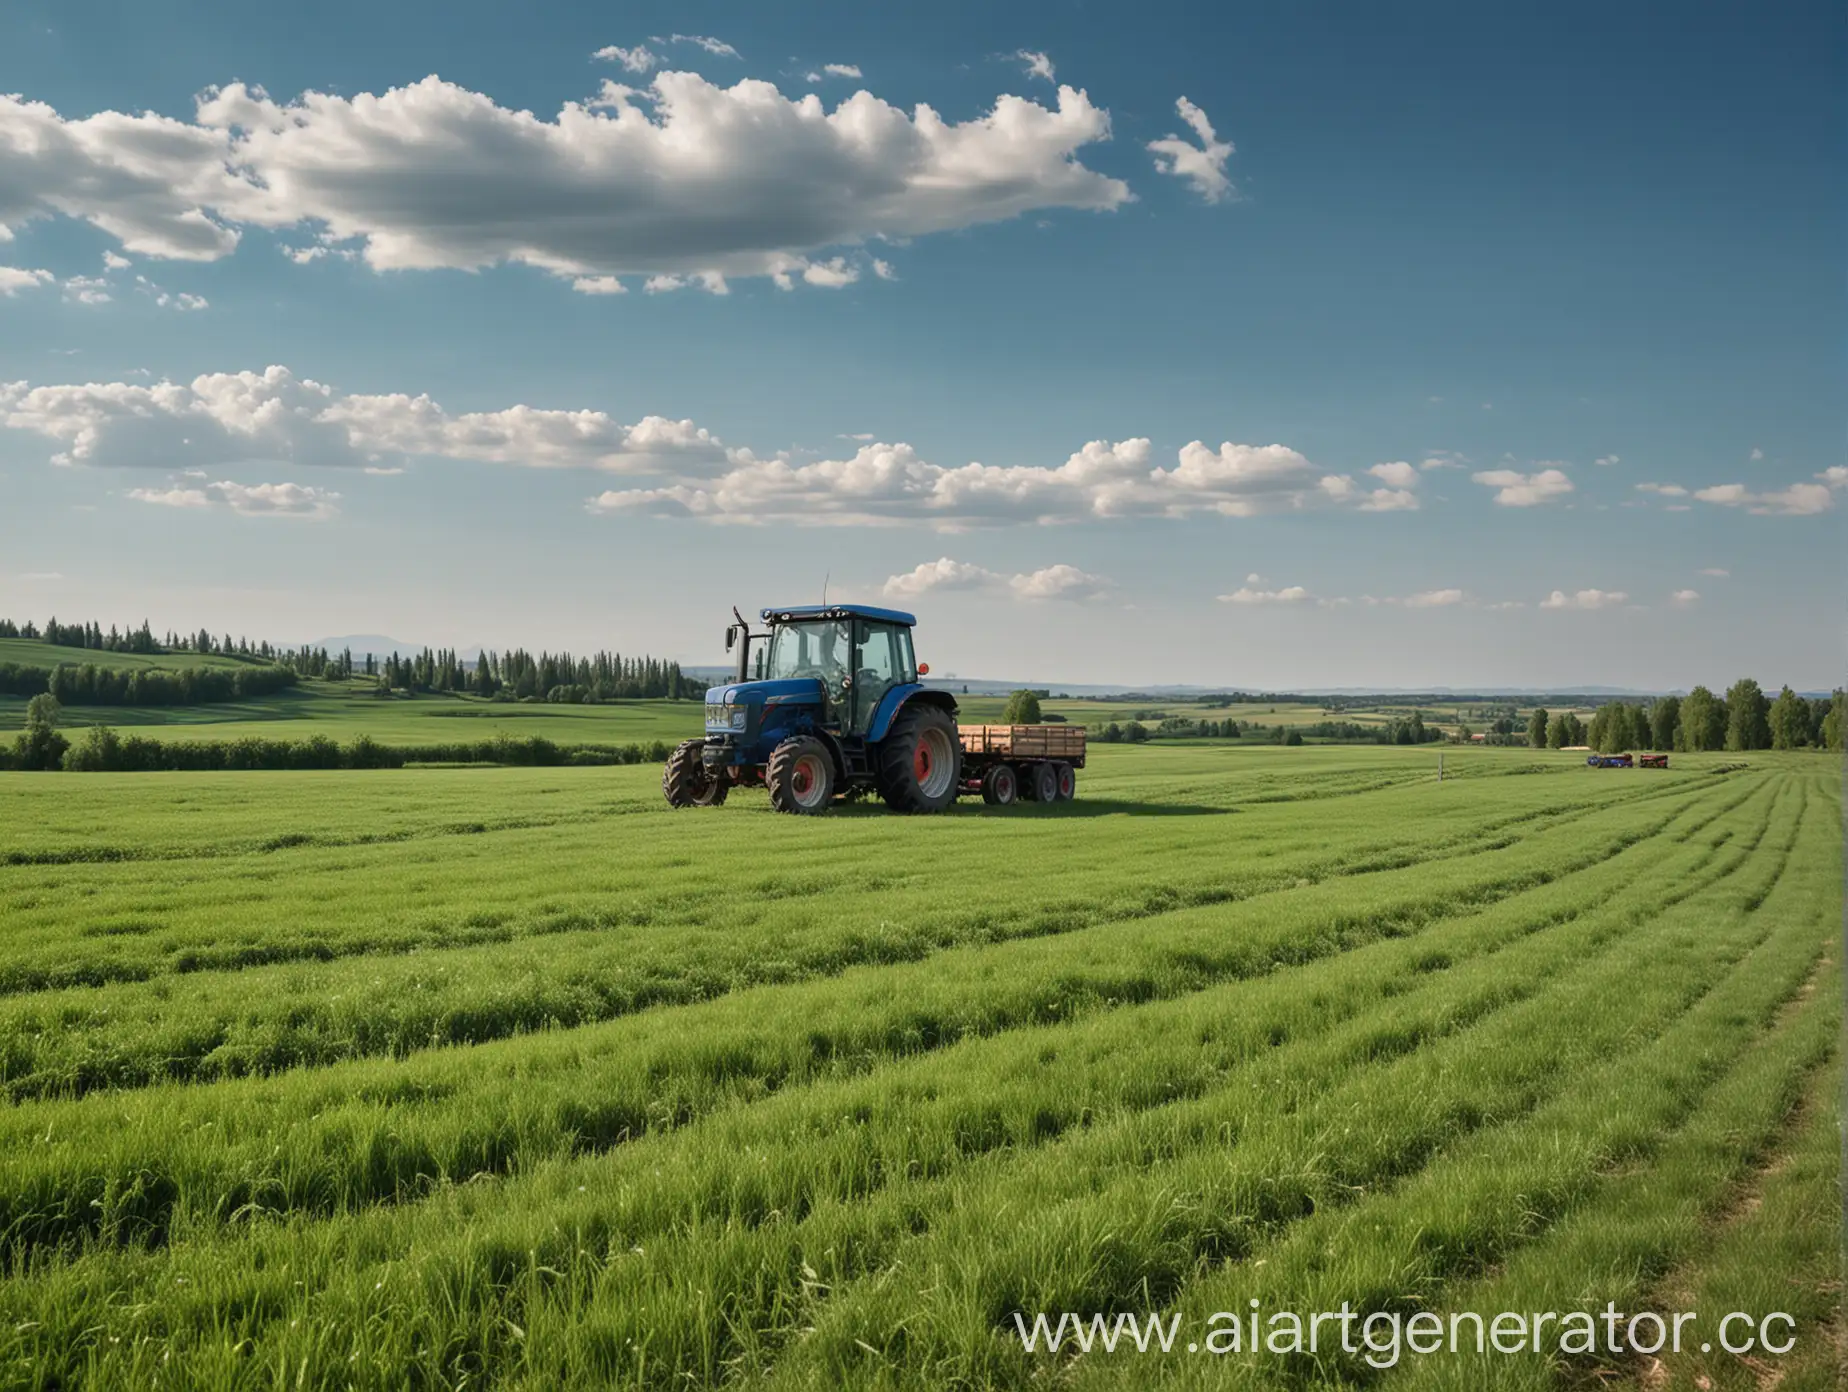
(920, 761)
(800, 776)
(1041, 783)
(1000, 786)
(686, 782)
(1066, 778)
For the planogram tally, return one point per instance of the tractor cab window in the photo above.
(819, 648)
(884, 662)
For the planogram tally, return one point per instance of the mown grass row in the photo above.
(751, 1221)
(228, 1024)
(123, 1165)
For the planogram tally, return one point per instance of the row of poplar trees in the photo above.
(1744, 718)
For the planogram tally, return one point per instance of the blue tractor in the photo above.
(824, 706)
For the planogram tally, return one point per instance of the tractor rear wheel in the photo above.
(1067, 779)
(1041, 783)
(920, 761)
(687, 782)
(1000, 786)
(800, 776)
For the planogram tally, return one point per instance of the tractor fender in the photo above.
(897, 698)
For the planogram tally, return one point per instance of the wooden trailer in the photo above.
(1036, 762)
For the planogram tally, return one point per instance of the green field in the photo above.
(516, 1078)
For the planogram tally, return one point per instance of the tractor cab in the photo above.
(854, 656)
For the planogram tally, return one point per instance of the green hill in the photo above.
(35, 652)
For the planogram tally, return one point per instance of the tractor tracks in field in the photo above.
(211, 1053)
(866, 1054)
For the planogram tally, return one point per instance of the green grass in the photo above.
(517, 1078)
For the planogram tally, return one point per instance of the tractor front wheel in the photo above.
(920, 761)
(687, 782)
(800, 776)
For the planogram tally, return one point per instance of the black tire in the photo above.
(1066, 780)
(1000, 786)
(800, 776)
(920, 761)
(1040, 783)
(686, 782)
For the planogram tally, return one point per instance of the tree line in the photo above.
(516, 675)
(1743, 719)
(87, 684)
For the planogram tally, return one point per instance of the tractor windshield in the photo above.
(818, 648)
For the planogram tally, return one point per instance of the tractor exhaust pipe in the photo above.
(741, 631)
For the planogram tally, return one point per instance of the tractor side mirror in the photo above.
(731, 636)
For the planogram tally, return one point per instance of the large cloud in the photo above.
(274, 416)
(886, 483)
(683, 178)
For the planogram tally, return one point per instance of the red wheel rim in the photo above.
(803, 780)
(920, 762)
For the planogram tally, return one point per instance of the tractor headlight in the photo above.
(724, 717)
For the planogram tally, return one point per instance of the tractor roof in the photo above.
(839, 611)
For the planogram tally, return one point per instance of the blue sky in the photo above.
(1323, 408)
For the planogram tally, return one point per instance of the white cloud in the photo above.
(682, 178)
(1052, 582)
(1664, 490)
(1202, 165)
(13, 280)
(1038, 64)
(841, 70)
(599, 285)
(717, 47)
(1717, 571)
(255, 500)
(883, 269)
(112, 262)
(1607, 460)
(1433, 599)
(1685, 597)
(636, 60)
(1396, 475)
(87, 290)
(891, 483)
(1798, 500)
(1291, 594)
(1525, 490)
(1757, 454)
(1390, 500)
(275, 416)
(1443, 459)
(1584, 599)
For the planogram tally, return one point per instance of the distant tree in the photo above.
(1789, 721)
(1665, 722)
(1023, 708)
(1834, 723)
(1748, 724)
(1539, 727)
(1136, 732)
(1295, 737)
(1703, 721)
(41, 746)
(1557, 736)
(43, 712)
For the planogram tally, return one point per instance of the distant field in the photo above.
(510, 1077)
(31, 652)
